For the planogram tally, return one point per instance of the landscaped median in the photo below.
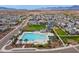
(65, 37)
(54, 29)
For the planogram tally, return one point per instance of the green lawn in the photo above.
(66, 38)
(34, 27)
(64, 35)
(60, 31)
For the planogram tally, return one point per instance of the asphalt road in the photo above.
(68, 50)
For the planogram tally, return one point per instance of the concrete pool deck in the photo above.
(37, 41)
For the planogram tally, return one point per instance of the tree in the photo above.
(26, 40)
(21, 40)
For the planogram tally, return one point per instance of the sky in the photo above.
(31, 7)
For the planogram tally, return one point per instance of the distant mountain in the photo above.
(75, 7)
(5, 8)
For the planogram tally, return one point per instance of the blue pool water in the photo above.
(33, 36)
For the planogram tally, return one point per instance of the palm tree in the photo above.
(21, 40)
(26, 40)
(14, 39)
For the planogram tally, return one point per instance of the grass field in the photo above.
(60, 31)
(65, 36)
(34, 27)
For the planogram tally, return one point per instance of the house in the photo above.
(31, 21)
(3, 24)
(43, 22)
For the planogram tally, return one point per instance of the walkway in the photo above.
(59, 37)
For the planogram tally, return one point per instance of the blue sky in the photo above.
(30, 7)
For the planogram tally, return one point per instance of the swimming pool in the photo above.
(33, 36)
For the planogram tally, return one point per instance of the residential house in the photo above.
(3, 24)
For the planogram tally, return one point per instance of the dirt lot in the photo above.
(26, 12)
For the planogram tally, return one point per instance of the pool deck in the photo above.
(36, 41)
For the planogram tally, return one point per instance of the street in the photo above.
(5, 39)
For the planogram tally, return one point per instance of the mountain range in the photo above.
(74, 7)
(5, 8)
